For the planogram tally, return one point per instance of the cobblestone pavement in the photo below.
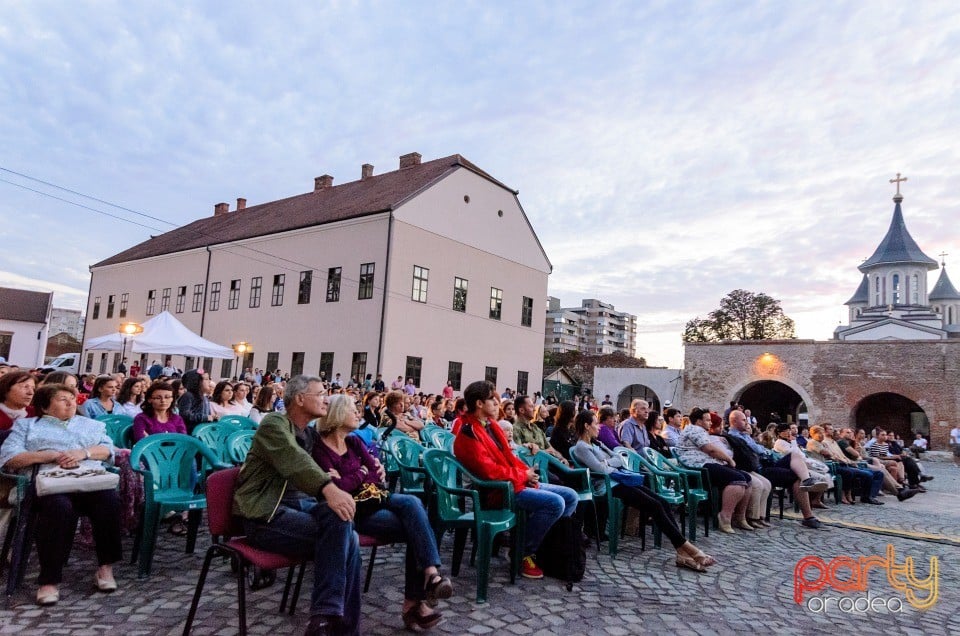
(636, 593)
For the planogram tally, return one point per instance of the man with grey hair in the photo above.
(633, 431)
(291, 506)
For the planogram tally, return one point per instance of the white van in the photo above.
(69, 362)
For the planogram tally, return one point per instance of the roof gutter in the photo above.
(206, 290)
(386, 283)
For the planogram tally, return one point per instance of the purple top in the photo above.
(144, 425)
(349, 464)
(608, 437)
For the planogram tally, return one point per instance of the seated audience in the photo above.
(57, 436)
(608, 435)
(563, 436)
(222, 402)
(16, 393)
(696, 450)
(130, 398)
(156, 415)
(633, 433)
(263, 404)
(526, 431)
(291, 506)
(101, 400)
(482, 448)
(601, 461)
(398, 518)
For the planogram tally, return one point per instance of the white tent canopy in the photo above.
(163, 334)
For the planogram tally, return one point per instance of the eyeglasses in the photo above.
(161, 397)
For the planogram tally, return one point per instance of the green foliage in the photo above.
(742, 315)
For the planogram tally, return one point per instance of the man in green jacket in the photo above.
(291, 506)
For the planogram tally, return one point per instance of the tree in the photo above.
(742, 315)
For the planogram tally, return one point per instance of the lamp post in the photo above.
(128, 330)
(240, 349)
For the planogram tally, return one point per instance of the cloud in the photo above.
(665, 153)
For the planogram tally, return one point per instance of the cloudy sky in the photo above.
(665, 152)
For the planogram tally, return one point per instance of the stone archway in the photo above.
(638, 392)
(892, 412)
(766, 397)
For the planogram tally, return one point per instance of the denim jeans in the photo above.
(544, 505)
(868, 482)
(315, 530)
(405, 519)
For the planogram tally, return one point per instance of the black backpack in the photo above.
(562, 554)
(744, 457)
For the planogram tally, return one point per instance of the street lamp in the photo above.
(128, 330)
(240, 349)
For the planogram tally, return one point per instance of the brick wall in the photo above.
(832, 377)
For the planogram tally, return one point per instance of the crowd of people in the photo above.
(313, 477)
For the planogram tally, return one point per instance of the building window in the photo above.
(414, 366)
(6, 339)
(181, 298)
(523, 379)
(189, 362)
(333, 284)
(420, 276)
(226, 367)
(276, 299)
(197, 298)
(151, 302)
(460, 294)
(96, 308)
(234, 300)
(110, 304)
(526, 312)
(296, 363)
(215, 296)
(896, 289)
(124, 298)
(208, 365)
(165, 299)
(490, 375)
(877, 291)
(103, 363)
(366, 281)
(326, 365)
(914, 290)
(273, 361)
(358, 366)
(496, 303)
(255, 284)
(455, 374)
(303, 293)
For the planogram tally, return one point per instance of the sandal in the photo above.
(690, 563)
(178, 528)
(438, 587)
(703, 558)
(412, 618)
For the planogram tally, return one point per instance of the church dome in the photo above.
(898, 247)
(944, 289)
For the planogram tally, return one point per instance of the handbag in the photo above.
(90, 476)
(627, 477)
(370, 498)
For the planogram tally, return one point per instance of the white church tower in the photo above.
(891, 302)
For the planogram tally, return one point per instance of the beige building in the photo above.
(432, 271)
(24, 326)
(595, 328)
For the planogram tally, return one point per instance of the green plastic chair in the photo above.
(705, 483)
(434, 436)
(244, 423)
(238, 445)
(614, 509)
(407, 454)
(690, 482)
(214, 435)
(448, 506)
(119, 428)
(167, 462)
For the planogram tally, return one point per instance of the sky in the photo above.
(666, 153)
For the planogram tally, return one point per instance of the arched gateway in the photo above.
(638, 391)
(765, 397)
(892, 412)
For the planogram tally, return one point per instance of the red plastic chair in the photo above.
(224, 525)
(366, 541)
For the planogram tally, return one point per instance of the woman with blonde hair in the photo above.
(387, 516)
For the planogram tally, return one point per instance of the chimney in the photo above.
(366, 171)
(410, 159)
(220, 209)
(322, 182)
(241, 204)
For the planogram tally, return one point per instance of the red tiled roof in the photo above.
(350, 200)
(23, 305)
